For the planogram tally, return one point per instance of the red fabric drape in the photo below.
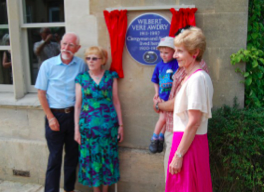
(116, 22)
(181, 18)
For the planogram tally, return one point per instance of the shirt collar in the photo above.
(59, 61)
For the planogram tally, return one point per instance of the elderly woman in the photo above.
(189, 168)
(98, 122)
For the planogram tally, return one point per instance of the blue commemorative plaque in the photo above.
(143, 36)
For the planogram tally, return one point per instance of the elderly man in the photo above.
(45, 48)
(56, 92)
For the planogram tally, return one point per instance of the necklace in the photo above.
(194, 68)
(97, 77)
(188, 75)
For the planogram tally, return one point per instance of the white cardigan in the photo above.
(197, 94)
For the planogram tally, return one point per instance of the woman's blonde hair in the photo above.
(192, 39)
(96, 50)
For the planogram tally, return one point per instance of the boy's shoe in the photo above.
(153, 147)
(160, 145)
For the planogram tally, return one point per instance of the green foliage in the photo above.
(254, 78)
(253, 56)
(255, 24)
(236, 140)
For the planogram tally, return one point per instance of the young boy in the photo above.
(162, 79)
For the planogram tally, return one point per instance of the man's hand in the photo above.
(54, 124)
(48, 38)
(77, 136)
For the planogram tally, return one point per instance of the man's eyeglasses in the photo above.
(71, 45)
(92, 58)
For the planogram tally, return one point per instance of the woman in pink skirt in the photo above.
(189, 169)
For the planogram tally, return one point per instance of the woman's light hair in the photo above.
(192, 39)
(102, 53)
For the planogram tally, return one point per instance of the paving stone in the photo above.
(8, 186)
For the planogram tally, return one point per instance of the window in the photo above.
(43, 20)
(35, 40)
(6, 77)
(43, 11)
(19, 36)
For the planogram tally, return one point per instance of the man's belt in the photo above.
(63, 110)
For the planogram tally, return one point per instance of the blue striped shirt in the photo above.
(57, 79)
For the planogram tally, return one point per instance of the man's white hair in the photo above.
(73, 33)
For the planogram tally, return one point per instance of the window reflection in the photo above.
(3, 21)
(3, 12)
(5, 68)
(3, 35)
(44, 11)
(43, 43)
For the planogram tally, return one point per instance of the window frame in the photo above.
(5, 87)
(24, 27)
(23, 83)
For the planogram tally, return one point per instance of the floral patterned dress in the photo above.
(99, 163)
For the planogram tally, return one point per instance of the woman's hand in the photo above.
(120, 136)
(155, 101)
(175, 165)
(77, 136)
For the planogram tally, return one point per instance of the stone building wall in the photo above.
(22, 140)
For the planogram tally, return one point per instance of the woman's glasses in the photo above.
(92, 58)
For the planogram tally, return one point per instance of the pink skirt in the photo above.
(195, 174)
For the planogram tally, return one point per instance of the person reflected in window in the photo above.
(46, 48)
(7, 63)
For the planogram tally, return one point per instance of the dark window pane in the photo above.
(5, 68)
(44, 11)
(40, 51)
(4, 37)
(3, 12)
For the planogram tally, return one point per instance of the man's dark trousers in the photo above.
(56, 140)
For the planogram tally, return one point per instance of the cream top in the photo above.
(197, 94)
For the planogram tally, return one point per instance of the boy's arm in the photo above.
(156, 87)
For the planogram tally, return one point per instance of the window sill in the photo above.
(28, 101)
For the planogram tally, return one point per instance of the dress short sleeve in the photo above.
(197, 96)
(114, 74)
(78, 79)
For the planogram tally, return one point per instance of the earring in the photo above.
(194, 56)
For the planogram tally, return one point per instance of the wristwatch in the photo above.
(157, 106)
(178, 154)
